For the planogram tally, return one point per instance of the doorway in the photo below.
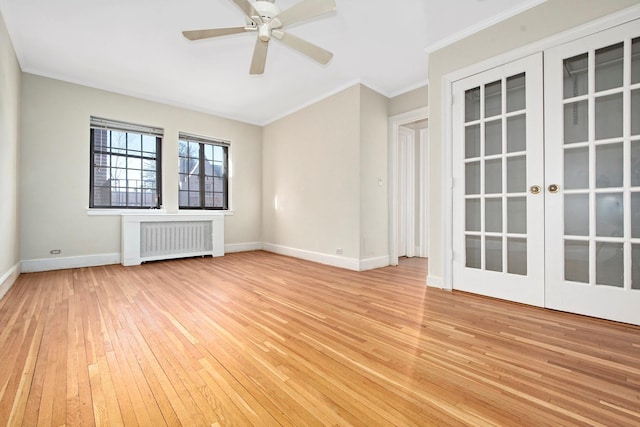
(408, 185)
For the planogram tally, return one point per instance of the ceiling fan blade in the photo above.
(304, 10)
(311, 50)
(214, 32)
(248, 9)
(259, 57)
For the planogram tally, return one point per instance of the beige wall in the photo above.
(9, 136)
(311, 165)
(374, 205)
(545, 20)
(54, 179)
(409, 101)
(322, 164)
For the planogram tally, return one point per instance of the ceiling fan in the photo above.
(267, 19)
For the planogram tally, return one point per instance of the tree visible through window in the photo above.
(125, 166)
(203, 173)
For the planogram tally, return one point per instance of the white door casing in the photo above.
(395, 122)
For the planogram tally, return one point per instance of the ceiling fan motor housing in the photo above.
(267, 10)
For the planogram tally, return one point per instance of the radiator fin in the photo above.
(175, 239)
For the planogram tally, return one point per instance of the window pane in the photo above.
(609, 264)
(635, 164)
(218, 153)
(517, 215)
(472, 178)
(635, 215)
(494, 253)
(472, 213)
(149, 144)
(576, 261)
(218, 169)
(134, 163)
(576, 81)
(493, 99)
(635, 61)
(635, 112)
(609, 165)
(493, 176)
(493, 138)
(576, 214)
(517, 174)
(472, 142)
(473, 252)
(516, 94)
(219, 200)
(208, 152)
(472, 105)
(517, 256)
(218, 184)
(576, 122)
(609, 61)
(493, 215)
(576, 168)
(609, 116)
(209, 200)
(516, 133)
(609, 215)
(134, 142)
(635, 269)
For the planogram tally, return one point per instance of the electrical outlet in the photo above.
(55, 251)
(339, 251)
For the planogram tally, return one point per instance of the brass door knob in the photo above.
(554, 188)
(535, 189)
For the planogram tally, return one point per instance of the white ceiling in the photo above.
(136, 48)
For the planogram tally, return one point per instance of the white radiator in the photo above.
(166, 236)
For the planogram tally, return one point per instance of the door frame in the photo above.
(394, 169)
(406, 191)
(446, 136)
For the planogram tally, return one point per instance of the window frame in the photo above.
(202, 142)
(98, 124)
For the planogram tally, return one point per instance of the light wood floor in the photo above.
(261, 339)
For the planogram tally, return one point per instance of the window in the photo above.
(203, 173)
(125, 165)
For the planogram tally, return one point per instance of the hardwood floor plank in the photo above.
(262, 339)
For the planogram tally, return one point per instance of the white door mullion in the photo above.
(626, 175)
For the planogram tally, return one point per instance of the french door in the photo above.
(547, 209)
(498, 204)
(593, 160)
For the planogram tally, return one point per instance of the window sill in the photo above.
(118, 212)
(183, 212)
(204, 212)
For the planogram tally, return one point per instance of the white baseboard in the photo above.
(373, 263)
(35, 265)
(434, 282)
(335, 261)
(8, 279)
(242, 247)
